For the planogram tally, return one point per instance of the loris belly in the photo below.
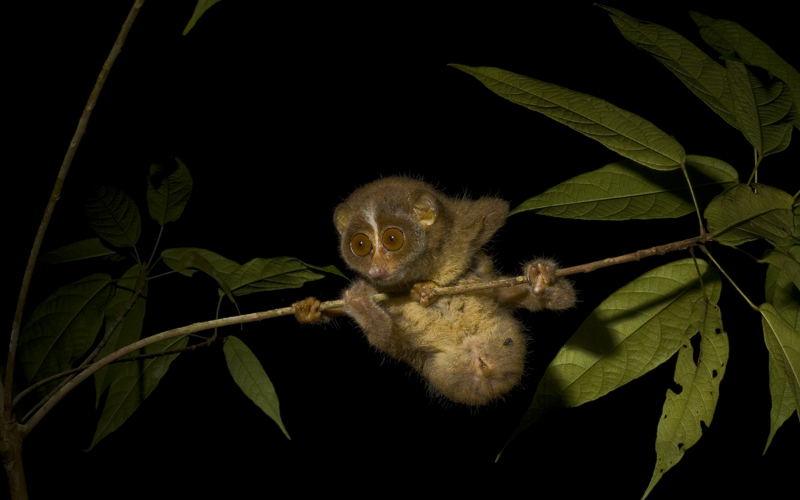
(467, 347)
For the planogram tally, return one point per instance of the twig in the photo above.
(518, 280)
(285, 311)
(51, 204)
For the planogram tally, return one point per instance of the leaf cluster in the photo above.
(84, 321)
(647, 321)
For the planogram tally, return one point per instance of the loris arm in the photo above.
(544, 291)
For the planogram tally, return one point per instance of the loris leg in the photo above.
(543, 291)
(375, 321)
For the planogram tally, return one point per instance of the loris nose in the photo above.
(376, 272)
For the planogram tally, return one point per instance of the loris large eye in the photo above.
(393, 239)
(360, 245)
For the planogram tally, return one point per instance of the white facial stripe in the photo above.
(368, 212)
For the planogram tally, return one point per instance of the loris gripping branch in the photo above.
(404, 237)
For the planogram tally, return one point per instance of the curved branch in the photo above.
(54, 196)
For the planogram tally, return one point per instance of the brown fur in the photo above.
(468, 347)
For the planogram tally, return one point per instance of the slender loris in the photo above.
(404, 237)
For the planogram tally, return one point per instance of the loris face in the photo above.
(380, 242)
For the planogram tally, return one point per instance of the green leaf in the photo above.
(199, 9)
(785, 297)
(627, 190)
(113, 216)
(173, 258)
(195, 260)
(168, 191)
(783, 344)
(782, 292)
(250, 376)
(746, 213)
(62, 328)
(732, 40)
(701, 74)
(626, 133)
(634, 330)
(680, 425)
(127, 332)
(261, 275)
(134, 381)
(786, 263)
(764, 111)
(327, 269)
(92, 248)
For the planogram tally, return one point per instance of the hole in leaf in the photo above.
(714, 374)
(696, 346)
(718, 331)
(680, 445)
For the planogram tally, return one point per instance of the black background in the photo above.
(279, 112)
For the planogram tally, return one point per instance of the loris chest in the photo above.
(450, 319)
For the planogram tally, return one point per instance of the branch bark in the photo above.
(12, 433)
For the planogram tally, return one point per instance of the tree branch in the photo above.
(7, 413)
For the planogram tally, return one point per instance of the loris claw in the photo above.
(421, 292)
(404, 237)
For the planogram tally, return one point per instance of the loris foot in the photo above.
(421, 292)
(541, 273)
(547, 290)
(307, 311)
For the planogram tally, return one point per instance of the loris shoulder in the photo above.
(404, 237)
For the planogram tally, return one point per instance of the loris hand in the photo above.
(307, 311)
(421, 292)
(359, 304)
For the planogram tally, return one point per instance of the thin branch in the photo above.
(51, 204)
(705, 250)
(518, 280)
(694, 200)
(177, 332)
(285, 311)
(158, 240)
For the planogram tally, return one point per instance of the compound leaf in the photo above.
(622, 131)
(746, 213)
(627, 190)
(113, 216)
(168, 191)
(701, 74)
(62, 328)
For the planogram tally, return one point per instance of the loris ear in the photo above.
(341, 217)
(492, 213)
(424, 206)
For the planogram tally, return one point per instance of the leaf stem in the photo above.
(694, 200)
(158, 240)
(705, 250)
